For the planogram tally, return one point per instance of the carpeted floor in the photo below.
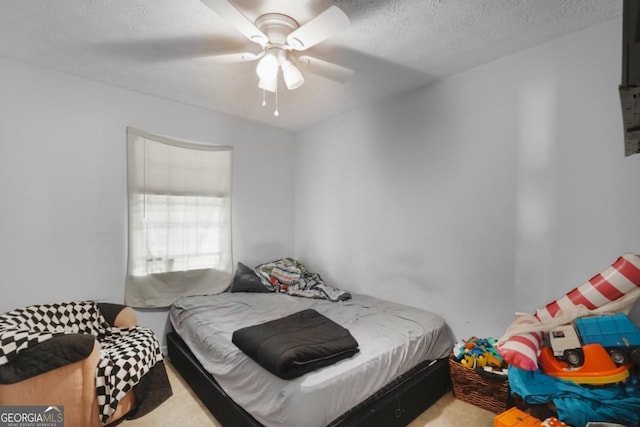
(185, 409)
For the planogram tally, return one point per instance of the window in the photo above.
(179, 219)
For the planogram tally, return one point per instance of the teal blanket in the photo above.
(579, 404)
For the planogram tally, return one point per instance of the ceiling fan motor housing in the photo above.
(277, 27)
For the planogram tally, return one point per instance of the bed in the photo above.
(400, 370)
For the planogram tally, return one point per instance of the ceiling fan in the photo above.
(283, 41)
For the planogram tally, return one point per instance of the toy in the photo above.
(596, 351)
(479, 353)
(615, 332)
(612, 290)
(514, 417)
(597, 369)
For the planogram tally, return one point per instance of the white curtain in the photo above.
(179, 219)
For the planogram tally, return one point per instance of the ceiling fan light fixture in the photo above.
(292, 75)
(267, 68)
(270, 85)
(279, 36)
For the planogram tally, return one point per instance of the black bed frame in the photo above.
(396, 405)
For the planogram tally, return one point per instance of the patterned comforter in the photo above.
(290, 276)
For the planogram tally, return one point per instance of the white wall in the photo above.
(495, 190)
(63, 184)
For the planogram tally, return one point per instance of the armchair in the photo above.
(77, 361)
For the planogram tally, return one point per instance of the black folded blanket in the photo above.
(296, 344)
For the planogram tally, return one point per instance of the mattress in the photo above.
(392, 339)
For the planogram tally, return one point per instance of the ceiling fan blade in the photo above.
(228, 58)
(318, 29)
(232, 15)
(324, 69)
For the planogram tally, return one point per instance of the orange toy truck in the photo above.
(593, 350)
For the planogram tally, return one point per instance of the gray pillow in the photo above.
(246, 280)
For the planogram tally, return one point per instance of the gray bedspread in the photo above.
(392, 337)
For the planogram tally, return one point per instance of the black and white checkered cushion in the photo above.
(125, 355)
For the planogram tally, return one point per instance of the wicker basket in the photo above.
(479, 390)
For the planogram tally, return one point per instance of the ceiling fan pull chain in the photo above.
(264, 100)
(276, 113)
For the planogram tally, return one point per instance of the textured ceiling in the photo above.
(393, 45)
